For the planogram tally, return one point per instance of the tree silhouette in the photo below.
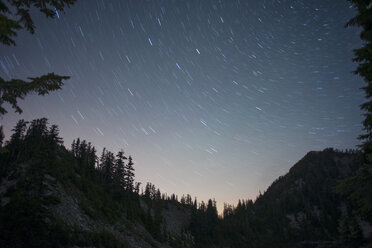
(54, 135)
(129, 175)
(1, 136)
(119, 174)
(363, 56)
(358, 188)
(15, 16)
(107, 165)
(18, 132)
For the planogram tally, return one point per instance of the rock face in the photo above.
(176, 219)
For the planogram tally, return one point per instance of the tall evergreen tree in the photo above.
(18, 132)
(1, 136)
(38, 128)
(363, 56)
(107, 165)
(17, 137)
(92, 157)
(129, 175)
(137, 187)
(77, 148)
(36, 138)
(119, 174)
(73, 147)
(54, 135)
(102, 160)
(359, 188)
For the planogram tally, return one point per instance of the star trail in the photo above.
(211, 98)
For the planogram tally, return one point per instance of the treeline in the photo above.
(116, 170)
(35, 139)
(35, 153)
(107, 181)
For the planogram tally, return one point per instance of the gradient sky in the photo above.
(212, 98)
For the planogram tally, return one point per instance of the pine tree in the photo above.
(157, 195)
(77, 148)
(82, 151)
(18, 132)
(38, 128)
(358, 188)
(129, 175)
(92, 157)
(147, 193)
(17, 137)
(36, 139)
(363, 56)
(73, 147)
(102, 160)
(119, 174)
(1, 136)
(54, 136)
(107, 165)
(137, 187)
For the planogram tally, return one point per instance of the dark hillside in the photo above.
(302, 205)
(299, 207)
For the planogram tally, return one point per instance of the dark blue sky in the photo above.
(211, 98)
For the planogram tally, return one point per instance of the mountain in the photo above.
(51, 196)
(299, 209)
(302, 206)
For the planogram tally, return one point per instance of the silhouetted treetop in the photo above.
(15, 15)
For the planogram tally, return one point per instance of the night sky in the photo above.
(211, 98)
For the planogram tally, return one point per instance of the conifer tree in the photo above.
(18, 132)
(38, 128)
(54, 135)
(107, 165)
(129, 175)
(77, 148)
(102, 160)
(359, 188)
(92, 157)
(157, 195)
(73, 147)
(137, 187)
(17, 137)
(1, 136)
(147, 193)
(119, 174)
(363, 56)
